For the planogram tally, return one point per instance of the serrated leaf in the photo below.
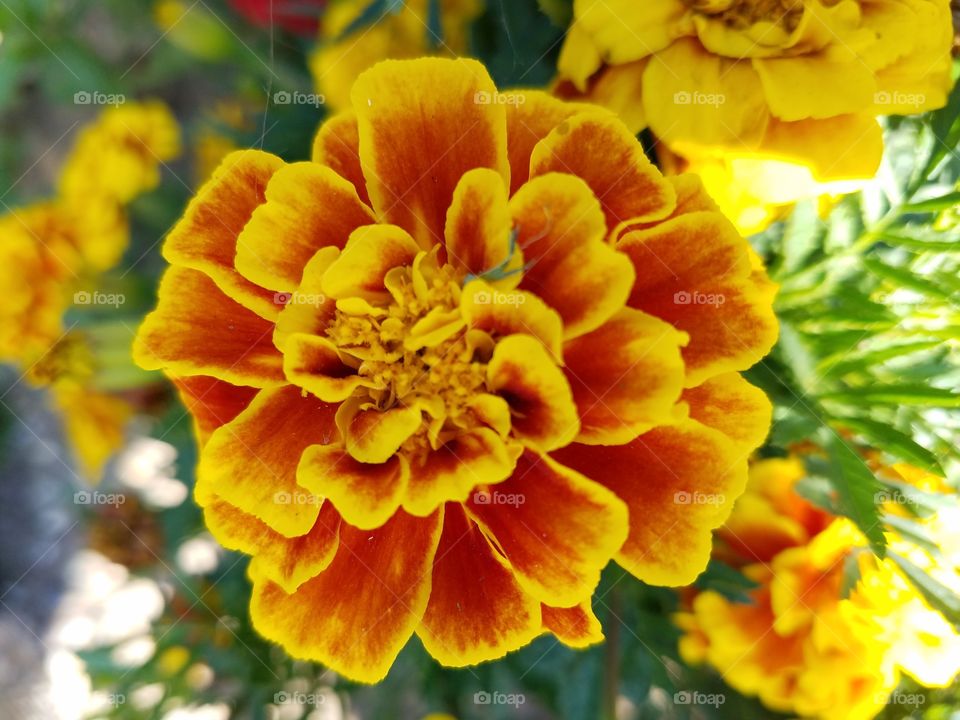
(856, 488)
(935, 204)
(938, 596)
(896, 394)
(900, 445)
(906, 279)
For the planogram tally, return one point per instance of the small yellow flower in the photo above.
(779, 94)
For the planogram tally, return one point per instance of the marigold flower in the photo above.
(402, 32)
(802, 645)
(448, 369)
(792, 84)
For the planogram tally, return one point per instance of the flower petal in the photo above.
(211, 402)
(251, 462)
(626, 376)
(733, 406)
(508, 313)
(308, 310)
(625, 30)
(416, 143)
(695, 272)
(312, 363)
(478, 226)
(560, 531)
(372, 435)
(522, 372)
(197, 330)
(575, 627)
(371, 252)
(477, 610)
(453, 470)
(561, 230)
(366, 494)
(205, 238)
(679, 483)
(337, 145)
(598, 148)
(290, 562)
(528, 122)
(309, 206)
(357, 615)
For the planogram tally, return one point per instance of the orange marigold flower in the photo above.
(448, 369)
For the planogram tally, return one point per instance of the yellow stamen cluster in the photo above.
(742, 14)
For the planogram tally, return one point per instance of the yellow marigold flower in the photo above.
(402, 32)
(800, 645)
(467, 340)
(783, 91)
(119, 156)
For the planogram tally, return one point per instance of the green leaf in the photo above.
(906, 279)
(938, 596)
(914, 532)
(896, 394)
(931, 205)
(728, 581)
(891, 440)
(945, 128)
(923, 239)
(869, 358)
(857, 488)
(801, 238)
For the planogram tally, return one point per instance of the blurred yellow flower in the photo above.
(402, 32)
(803, 645)
(780, 95)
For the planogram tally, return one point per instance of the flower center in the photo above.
(741, 14)
(416, 348)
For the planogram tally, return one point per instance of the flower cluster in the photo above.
(773, 100)
(448, 369)
(52, 249)
(829, 627)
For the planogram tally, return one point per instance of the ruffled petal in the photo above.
(477, 609)
(309, 206)
(453, 470)
(733, 406)
(679, 483)
(211, 402)
(522, 372)
(556, 528)
(625, 30)
(197, 330)
(416, 143)
(599, 149)
(626, 376)
(357, 615)
(372, 435)
(337, 145)
(370, 253)
(561, 228)
(695, 272)
(313, 363)
(575, 627)
(205, 238)
(478, 227)
(251, 462)
(366, 494)
(507, 313)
